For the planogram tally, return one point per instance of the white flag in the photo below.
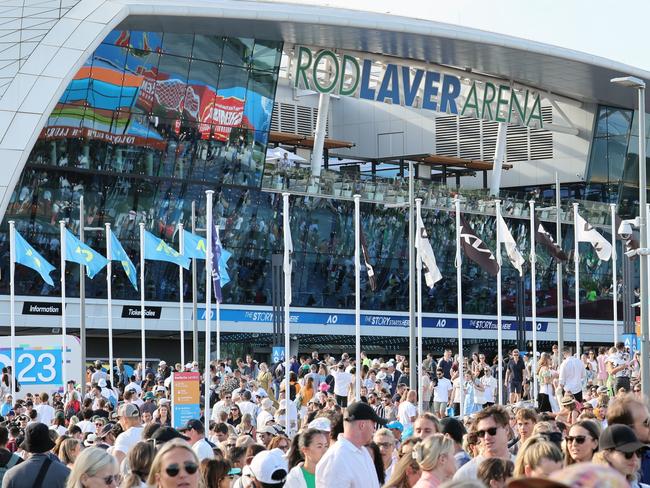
(288, 264)
(586, 233)
(508, 241)
(431, 272)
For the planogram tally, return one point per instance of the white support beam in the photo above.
(319, 133)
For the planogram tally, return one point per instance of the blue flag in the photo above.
(78, 252)
(156, 249)
(27, 256)
(119, 254)
(194, 247)
(216, 259)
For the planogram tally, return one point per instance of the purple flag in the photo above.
(216, 257)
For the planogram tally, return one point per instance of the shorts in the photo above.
(516, 387)
(439, 407)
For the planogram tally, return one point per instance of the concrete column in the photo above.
(319, 133)
(499, 157)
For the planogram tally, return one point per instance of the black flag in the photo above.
(476, 249)
(546, 240)
(364, 253)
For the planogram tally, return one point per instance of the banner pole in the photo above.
(533, 294)
(109, 299)
(459, 304)
(208, 307)
(612, 206)
(497, 207)
(142, 326)
(12, 306)
(218, 304)
(418, 302)
(181, 304)
(357, 300)
(63, 314)
(576, 262)
(287, 302)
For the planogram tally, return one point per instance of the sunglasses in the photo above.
(492, 431)
(189, 467)
(578, 439)
(638, 453)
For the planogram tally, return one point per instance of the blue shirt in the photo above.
(645, 467)
(6, 408)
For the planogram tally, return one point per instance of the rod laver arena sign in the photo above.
(344, 74)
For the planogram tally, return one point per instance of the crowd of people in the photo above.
(588, 425)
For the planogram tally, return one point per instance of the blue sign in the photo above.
(35, 367)
(372, 320)
(632, 342)
(278, 354)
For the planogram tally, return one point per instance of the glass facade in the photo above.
(153, 120)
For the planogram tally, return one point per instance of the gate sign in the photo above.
(186, 398)
(632, 342)
(38, 361)
(278, 354)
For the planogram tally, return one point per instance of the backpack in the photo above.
(13, 460)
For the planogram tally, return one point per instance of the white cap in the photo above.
(321, 423)
(160, 388)
(269, 467)
(162, 363)
(90, 440)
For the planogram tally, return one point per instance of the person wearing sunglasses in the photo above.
(582, 442)
(491, 427)
(176, 464)
(621, 450)
(94, 468)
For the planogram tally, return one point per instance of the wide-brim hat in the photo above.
(567, 400)
(37, 439)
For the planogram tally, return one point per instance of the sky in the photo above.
(609, 29)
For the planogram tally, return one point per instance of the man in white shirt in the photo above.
(618, 365)
(572, 372)
(342, 382)
(347, 463)
(134, 386)
(99, 373)
(45, 410)
(129, 418)
(246, 406)
(408, 409)
(223, 405)
(489, 384)
(196, 432)
(441, 394)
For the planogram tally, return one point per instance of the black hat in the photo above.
(197, 425)
(37, 438)
(621, 438)
(106, 429)
(454, 428)
(166, 434)
(363, 411)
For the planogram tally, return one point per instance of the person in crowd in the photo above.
(582, 442)
(69, 450)
(495, 472)
(385, 441)
(215, 473)
(234, 418)
(455, 430)
(195, 431)
(516, 375)
(572, 374)
(347, 462)
(618, 366)
(175, 464)
(492, 428)
(131, 423)
(94, 468)
(426, 425)
(538, 457)
(139, 461)
(40, 470)
(435, 456)
(408, 409)
(307, 449)
(8, 459)
(526, 419)
(620, 448)
(406, 473)
(442, 392)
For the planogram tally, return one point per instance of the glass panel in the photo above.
(178, 44)
(237, 51)
(266, 55)
(209, 48)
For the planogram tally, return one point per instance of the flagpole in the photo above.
(63, 314)
(558, 270)
(208, 304)
(576, 263)
(181, 305)
(418, 301)
(459, 301)
(195, 321)
(357, 299)
(497, 207)
(287, 296)
(218, 305)
(612, 207)
(533, 293)
(142, 328)
(12, 304)
(109, 299)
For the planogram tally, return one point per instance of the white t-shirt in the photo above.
(346, 465)
(405, 412)
(87, 426)
(127, 439)
(342, 382)
(203, 450)
(45, 413)
(249, 407)
(441, 390)
(490, 385)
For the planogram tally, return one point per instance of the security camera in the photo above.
(625, 229)
(631, 253)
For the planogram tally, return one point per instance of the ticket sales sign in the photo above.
(186, 398)
(346, 74)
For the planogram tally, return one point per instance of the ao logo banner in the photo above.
(38, 360)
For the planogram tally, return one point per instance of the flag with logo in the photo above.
(431, 272)
(80, 253)
(508, 241)
(545, 239)
(155, 249)
(119, 254)
(476, 249)
(26, 255)
(194, 248)
(587, 233)
(216, 259)
(372, 281)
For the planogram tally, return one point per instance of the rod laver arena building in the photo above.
(141, 106)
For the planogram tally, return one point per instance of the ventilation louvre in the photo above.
(295, 119)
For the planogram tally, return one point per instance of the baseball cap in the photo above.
(162, 363)
(621, 438)
(160, 389)
(195, 424)
(321, 423)
(362, 411)
(166, 434)
(90, 440)
(395, 425)
(129, 410)
(269, 467)
(267, 430)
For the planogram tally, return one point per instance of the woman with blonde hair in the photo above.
(406, 473)
(246, 426)
(538, 457)
(176, 463)
(69, 450)
(139, 460)
(94, 468)
(435, 456)
(545, 375)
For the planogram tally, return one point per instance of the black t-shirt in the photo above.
(516, 369)
(446, 365)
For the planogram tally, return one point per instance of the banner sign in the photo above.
(277, 354)
(632, 342)
(370, 320)
(134, 312)
(352, 75)
(186, 397)
(41, 308)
